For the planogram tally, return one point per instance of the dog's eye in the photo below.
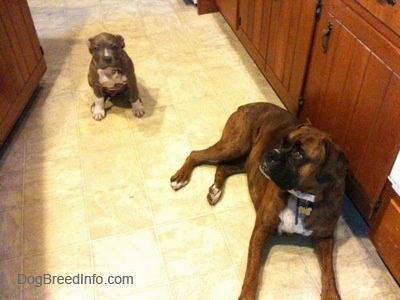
(297, 155)
(95, 47)
(114, 47)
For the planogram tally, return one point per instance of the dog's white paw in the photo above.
(98, 111)
(137, 108)
(214, 195)
(178, 185)
(98, 114)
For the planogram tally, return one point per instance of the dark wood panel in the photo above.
(385, 230)
(30, 27)
(372, 93)
(384, 143)
(346, 104)
(336, 79)
(9, 58)
(229, 9)
(385, 13)
(206, 6)
(6, 17)
(296, 26)
(22, 34)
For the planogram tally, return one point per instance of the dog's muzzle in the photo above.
(271, 157)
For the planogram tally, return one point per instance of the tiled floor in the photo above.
(86, 197)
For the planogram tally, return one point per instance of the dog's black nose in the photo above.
(272, 156)
(107, 59)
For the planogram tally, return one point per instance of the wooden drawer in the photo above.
(385, 230)
(384, 12)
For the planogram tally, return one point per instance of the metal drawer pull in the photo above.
(325, 36)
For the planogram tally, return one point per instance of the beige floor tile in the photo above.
(135, 254)
(154, 293)
(11, 189)
(216, 37)
(160, 23)
(193, 247)
(171, 43)
(191, 87)
(52, 142)
(232, 100)
(373, 284)
(224, 57)
(161, 121)
(169, 205)
(12, 154)
(53, 180)
(74, 261)
(155, 162)
(223, 284)
(11, 229)
(54, 224)
(131, 27)
(228, 80)
(118, 210)
(138, 47)
(179, 63)
(111, 132)
(110, 167)
(238, 224)
(203, 117)
(9, 270)
(288, 269)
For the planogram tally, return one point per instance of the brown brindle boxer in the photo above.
(296, 179)
(111, 72)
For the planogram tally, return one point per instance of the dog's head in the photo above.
(307, 160)
(106, 49)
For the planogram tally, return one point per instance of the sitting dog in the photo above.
(111, 71)
(296, 179)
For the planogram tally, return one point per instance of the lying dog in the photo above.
(111, 71)
(296, 179)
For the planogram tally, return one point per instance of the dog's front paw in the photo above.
(214, 195)
(137, 108)
(98, 113)
(179, 180)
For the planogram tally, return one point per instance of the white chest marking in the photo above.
(288, 216)
(111, 78)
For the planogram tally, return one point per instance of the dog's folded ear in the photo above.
(335, 165)
(120, 41)
(89, 45)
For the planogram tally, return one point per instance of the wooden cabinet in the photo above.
(352, 91)
(229, 9)
(385, 230)
(21, 62)
(278, 36)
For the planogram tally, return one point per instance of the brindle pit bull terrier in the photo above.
(111, 72)
(296, 179)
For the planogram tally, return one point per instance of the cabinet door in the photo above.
(352, 92)
(289, 42)
(253, 30)
(21, 61)
(278, 36)
(385, 230)
(229, 9)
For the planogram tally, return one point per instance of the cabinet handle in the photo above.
(391, 2)
(325, 37)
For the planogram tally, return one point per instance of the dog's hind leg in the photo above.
(222, 173)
